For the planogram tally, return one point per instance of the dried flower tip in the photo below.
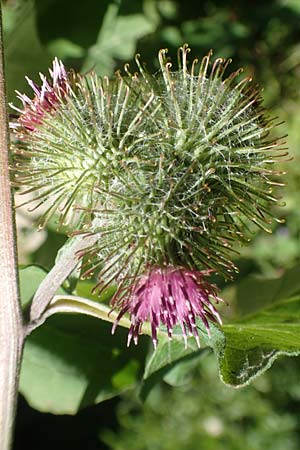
(170, 296)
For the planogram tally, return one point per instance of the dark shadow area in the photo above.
(36, 430)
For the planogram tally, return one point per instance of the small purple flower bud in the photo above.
(170, 296)
(46, 97)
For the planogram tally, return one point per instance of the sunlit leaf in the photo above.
(253, 344)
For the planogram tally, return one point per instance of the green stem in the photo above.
(11, 327)
(67, 262)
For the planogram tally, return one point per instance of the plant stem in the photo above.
(57, 275)
(11, 327)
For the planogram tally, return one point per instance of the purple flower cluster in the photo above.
(46, 97)
(170, 296)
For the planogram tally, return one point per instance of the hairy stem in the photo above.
(11, 327)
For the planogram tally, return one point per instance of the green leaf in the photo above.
(172, 362)
(30, 278)
(24, 53)
(63, 48)
(254, 292)
(168, 352)
(117, 39)
(80, 25)
(245, 349)
(253, 344)
(84, 289)
(46, 254)
(72, 360)
(182, 372)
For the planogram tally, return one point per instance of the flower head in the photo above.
(46, 97)
(170, 296)
(182, 156)
(167, 170)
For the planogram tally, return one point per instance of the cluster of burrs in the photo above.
(168, 170)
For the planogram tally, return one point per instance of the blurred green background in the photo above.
(195, 411)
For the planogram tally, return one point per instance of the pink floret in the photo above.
(46, 97)
(170, 296)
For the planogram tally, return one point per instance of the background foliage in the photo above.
(73, 362)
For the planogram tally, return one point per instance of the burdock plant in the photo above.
(166, 172)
